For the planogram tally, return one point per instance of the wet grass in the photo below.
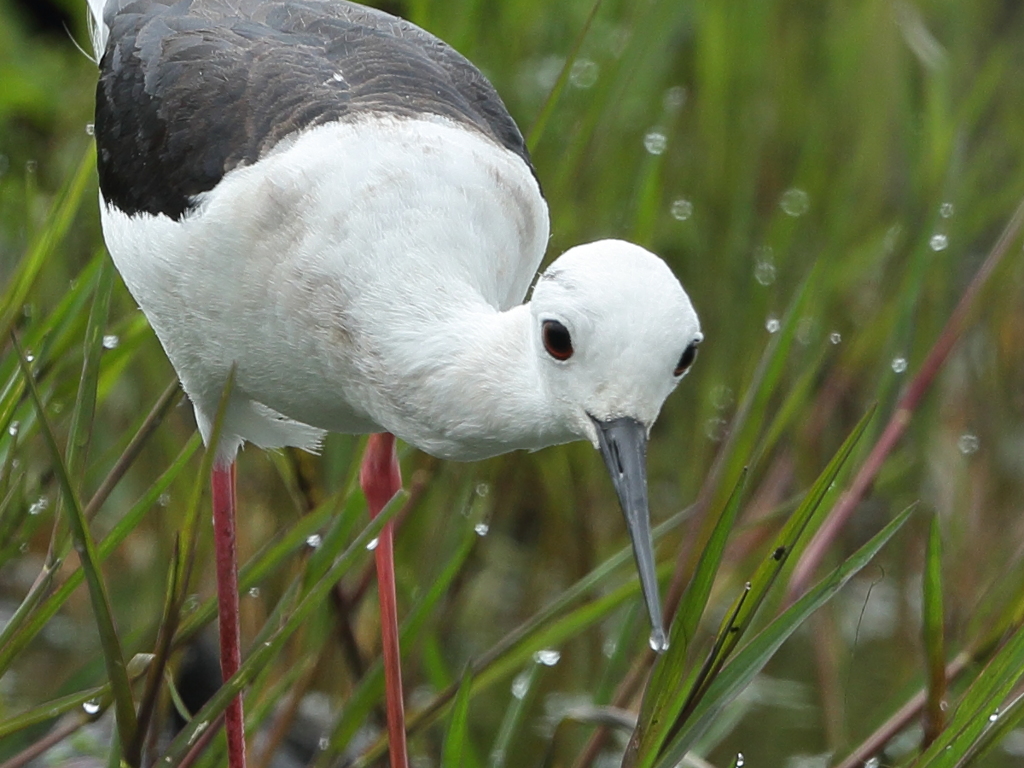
(828, 179)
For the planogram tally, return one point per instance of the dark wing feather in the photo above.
(189, 90)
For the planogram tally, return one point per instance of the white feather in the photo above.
(98, 30)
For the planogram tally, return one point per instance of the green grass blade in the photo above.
(58, 222)
(80, 428)
(664, 697)
(86, 548)
(932, 623)
(540, 123)
(51, 710)
(751, 659)
(15, 637)
(741, 615)
(980, 706)
(523, 686)
(458, 732)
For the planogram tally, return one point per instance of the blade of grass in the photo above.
(541, 121)
(906, 407)
(58, 222)
(979, 707)
(15, 637)
(751, 659)
(86, 548)
(932, 623)
(523, 686)
(669, 670)
(740, 617)
(80, 428)
(458, 732)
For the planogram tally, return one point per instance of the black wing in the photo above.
(189, 90)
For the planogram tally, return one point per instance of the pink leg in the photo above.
(223, 483)
(381, 479)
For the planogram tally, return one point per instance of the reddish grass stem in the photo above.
(904, 411)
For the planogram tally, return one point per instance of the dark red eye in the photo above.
(556, 338)
(686, 359)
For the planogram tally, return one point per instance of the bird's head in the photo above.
(615, 332)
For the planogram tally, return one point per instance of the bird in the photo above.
(334, 208)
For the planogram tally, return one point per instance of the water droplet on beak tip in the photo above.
(658, 640)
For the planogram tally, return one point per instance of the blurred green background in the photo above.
(745, 142)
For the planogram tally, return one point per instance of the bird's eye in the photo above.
(686, 359)
(556, 338)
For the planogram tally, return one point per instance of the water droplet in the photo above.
(764, 272)
(110, 341)
(548, 657)
(314, 540)
(795, 202)
(872, 762)
(721, 397)
(658, 640)
(23, 547)
(943, 705)
(994, 716)
(674, 99)
(13, 427)
(90, 129)
(29, 357)
(520, 685)
(91, 707)
(609, 647)
(191, 603)
(56, 406)
(968, 444)
(39, 506)
(714, 428)
(254, 591)
(681, 209)
(338, 77)
(740, 761)
(583, 73)
(939, 242)
(946, 210)
(481, 529)
(899, 364)
(372, 544)
(31, 166)
(323, 743)
(772, 325)
(482, 489)
(655, 142)
(164, 499)
(835, 337)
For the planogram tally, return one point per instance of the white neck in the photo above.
(470, 387)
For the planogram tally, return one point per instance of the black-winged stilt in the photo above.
(337, 204)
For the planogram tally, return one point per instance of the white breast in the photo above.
(313, 269)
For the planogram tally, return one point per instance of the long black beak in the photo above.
(624, 448)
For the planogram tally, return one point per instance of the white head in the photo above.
(615, 333)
